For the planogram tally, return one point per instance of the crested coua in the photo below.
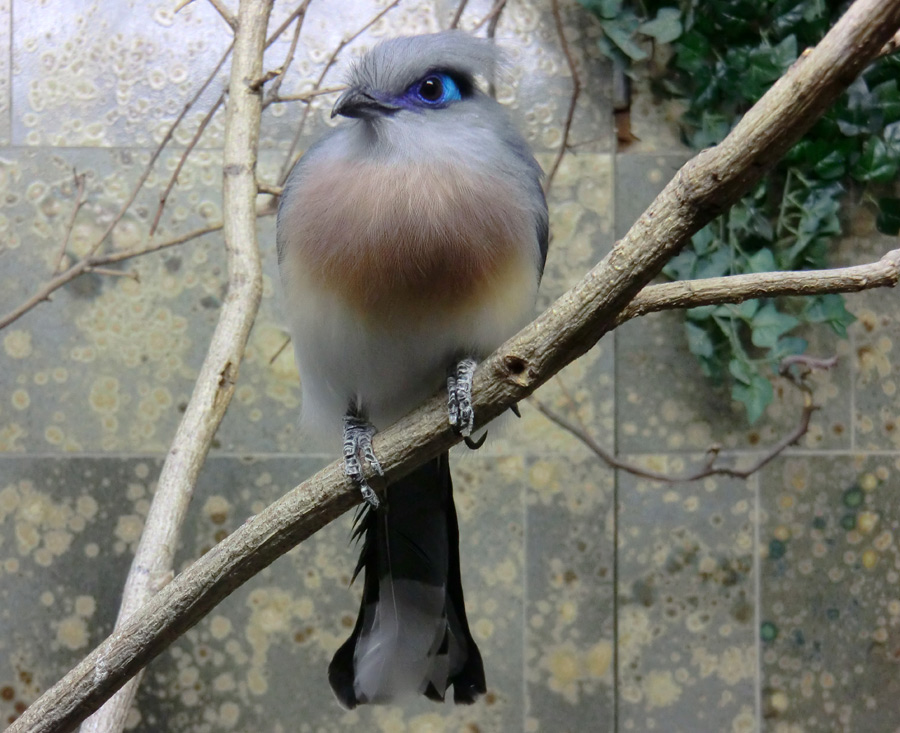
(411, 242)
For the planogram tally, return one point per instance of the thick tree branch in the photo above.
(700, 191)
(153, 560)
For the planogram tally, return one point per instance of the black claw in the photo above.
(475, 444)
(514, 409)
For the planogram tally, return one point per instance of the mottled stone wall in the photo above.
(723, 605)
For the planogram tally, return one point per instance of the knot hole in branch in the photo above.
(517, 369)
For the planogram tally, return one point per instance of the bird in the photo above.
(411, 242)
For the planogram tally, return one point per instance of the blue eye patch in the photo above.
(438, 89)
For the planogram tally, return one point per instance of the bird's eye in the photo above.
(437, 90)
(432, 89)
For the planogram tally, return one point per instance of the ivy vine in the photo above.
(725, 54)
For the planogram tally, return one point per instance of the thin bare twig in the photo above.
(307, 97)
(156, 153)
(460, 9)
(573, 101)
(187, 107)
(173, 179)
(495, 19)
(264, 187)
(287, 340)
(90, 259)
(127, 254)
(282, 70)
(710, 467)
(224, 12)
(298, 14)
(95, 261)
(809, 362)
(291, 158)
(131, 274)
(87, 261)
(80, 199)
(492, 15)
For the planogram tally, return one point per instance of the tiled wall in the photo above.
(601, 601)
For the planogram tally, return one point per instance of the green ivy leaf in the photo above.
(699, 341)
(892, 138)
(741, 371)
(712, 130)
(755, 396)
(692, 56)
(714, 264)
(862, 113)
(787, 346)
(763, 65)
(665, 27)
(746, 220)
(877, 163)
(681, 266)
(621, 32)
(833, 165)
(700, 313)
(816, 219)
(830, 309)
(761, 261)
(889, 99)
(769, 324)
(609, 8)
(888, 219)
(746, 310)
(704, 240)
(603, 8)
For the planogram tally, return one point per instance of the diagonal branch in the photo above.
(281, 71)
(700, 191)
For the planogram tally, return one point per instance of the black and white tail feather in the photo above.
(411, 635)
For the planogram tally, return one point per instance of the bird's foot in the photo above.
(357, 449)
(459, 398)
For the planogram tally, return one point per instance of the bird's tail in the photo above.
(411, 635)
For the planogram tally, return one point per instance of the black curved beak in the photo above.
(359, 104)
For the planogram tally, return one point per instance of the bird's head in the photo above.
(417, 74)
